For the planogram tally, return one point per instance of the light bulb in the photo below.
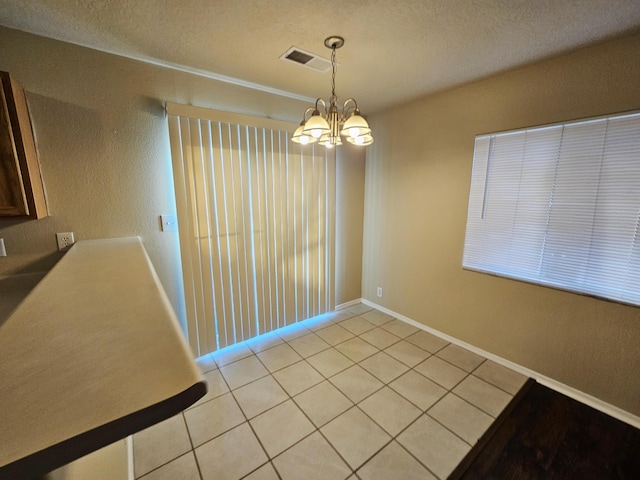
(316, 133)
(354, 132)
(304, 139)
(359, 140)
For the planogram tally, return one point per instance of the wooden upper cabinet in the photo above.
(21, 188)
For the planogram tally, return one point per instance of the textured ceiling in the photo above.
(394, 50)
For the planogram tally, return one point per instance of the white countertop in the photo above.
(13, 289)
(93, 354)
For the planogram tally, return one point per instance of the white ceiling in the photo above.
(394, 50)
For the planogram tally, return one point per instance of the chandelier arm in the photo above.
(351, 100)
(304, 115)
(324, 106)
(347, 108)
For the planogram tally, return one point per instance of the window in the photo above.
(559, 206)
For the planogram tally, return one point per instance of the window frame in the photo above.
(584, 284)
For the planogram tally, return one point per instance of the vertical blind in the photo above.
(560, 206)
(256, 224)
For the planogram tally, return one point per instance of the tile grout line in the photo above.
(424, 412)
(356, 405)
(387, 384)
(316, 429)
(333, 347)
(246, 418)
(193, 450)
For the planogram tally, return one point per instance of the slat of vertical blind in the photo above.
(213, 242)
(273, 232)
(227, 242)
(222, 310)
(329, 234)
(259, 252)
(255, 229)
(201, 202)
(178, 160)
(290, 262)
(192, 150)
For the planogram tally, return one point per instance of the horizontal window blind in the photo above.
(256, 216)
(559, 206)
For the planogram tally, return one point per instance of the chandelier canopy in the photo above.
(329, 125)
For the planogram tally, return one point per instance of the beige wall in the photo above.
(417, 185)
(103, 141)
(350, 170)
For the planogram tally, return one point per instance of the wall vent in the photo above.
(306, 59)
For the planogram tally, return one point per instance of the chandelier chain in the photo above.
(333, 74)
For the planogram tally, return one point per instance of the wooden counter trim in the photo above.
(56, 456)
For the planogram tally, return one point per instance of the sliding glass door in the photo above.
(256, 220)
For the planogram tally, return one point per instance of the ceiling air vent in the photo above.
(306, 59)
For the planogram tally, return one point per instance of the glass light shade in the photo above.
(362, 140)
(355, 126)
(300, 137)
(316, 126)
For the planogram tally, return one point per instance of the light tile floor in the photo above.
(354, 394)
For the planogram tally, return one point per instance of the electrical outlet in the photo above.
(65, 241)
(169, 223)
(379, 292)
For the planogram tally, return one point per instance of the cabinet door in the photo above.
(12, 196)
(21, 187)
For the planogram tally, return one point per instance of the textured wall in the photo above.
(103, 141)
(417, 186)
(350, 170)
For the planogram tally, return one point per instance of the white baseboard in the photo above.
(350, 303)
(560, 387)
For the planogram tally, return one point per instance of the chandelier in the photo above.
(328, 125)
